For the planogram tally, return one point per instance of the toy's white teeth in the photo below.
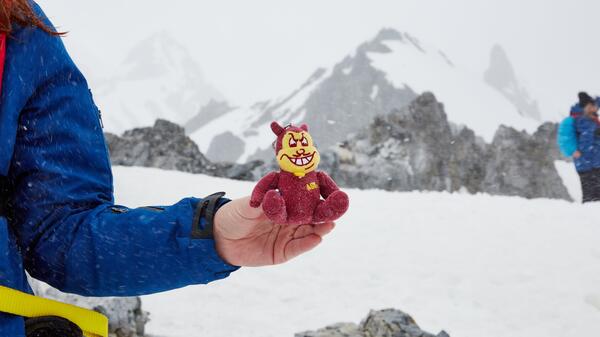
(302, 161)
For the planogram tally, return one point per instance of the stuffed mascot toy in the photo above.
(293, 195)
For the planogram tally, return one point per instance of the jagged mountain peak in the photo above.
(158, 79)
(378, 43)
(501, 75)
(159, 55)
(383, 74)
(500, 71)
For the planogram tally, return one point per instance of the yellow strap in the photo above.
(92, 323)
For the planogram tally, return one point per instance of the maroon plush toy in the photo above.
(293, 195)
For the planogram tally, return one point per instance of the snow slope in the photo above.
(472, 265)
(570, 178)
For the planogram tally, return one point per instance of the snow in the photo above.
(374, 92)
(570, 179)
(467, 99)
(474, 265)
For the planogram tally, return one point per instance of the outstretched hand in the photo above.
(244, 236)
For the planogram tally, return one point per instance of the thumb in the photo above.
(243, 210)
(236, 219)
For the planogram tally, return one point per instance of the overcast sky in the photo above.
(253, 50)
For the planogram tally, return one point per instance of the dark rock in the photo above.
(166, 146)
(225, 147)
(416, 148)
(381, 323)
(545, 137)
(520, 165)
(336, 330)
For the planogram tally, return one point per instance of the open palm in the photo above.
(244, 236)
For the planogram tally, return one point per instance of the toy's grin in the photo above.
(301, 161)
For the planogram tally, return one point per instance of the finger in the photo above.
(303, 231)
(324, 228)
(300, 246)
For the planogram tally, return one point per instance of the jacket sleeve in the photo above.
(71, 235)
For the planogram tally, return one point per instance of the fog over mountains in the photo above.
(158, 79)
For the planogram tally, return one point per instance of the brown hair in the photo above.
(21, 13)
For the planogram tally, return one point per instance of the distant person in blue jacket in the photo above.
(579, 138)
(58, 220)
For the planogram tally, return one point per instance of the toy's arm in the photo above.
(326, 184)
(267, 183)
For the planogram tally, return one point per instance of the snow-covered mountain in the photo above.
(158, 79)
(383, 74)
(502, 76)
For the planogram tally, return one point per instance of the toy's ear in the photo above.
(277, 129)
(304, 127)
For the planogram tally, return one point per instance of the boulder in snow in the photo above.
(380, 323)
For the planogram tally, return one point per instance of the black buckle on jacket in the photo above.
(206, 210)
(51, 326)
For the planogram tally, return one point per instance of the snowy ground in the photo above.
(472, 265)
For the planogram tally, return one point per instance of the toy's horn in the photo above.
(304, 127)
(277, 129)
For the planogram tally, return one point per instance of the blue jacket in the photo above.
(59, 222)
(588, 143)
(567, 132)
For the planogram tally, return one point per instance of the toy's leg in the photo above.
(274, 207)
(331, 208)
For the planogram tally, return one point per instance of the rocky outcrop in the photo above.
(410, 148)
(125, 315)
(166, 146)
(416, 148)
(382, 323)
(521, 165)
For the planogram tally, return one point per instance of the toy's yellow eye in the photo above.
(304, 141)
(292, 142)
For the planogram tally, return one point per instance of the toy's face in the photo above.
(298, 154)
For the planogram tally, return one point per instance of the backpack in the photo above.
(567, 136)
